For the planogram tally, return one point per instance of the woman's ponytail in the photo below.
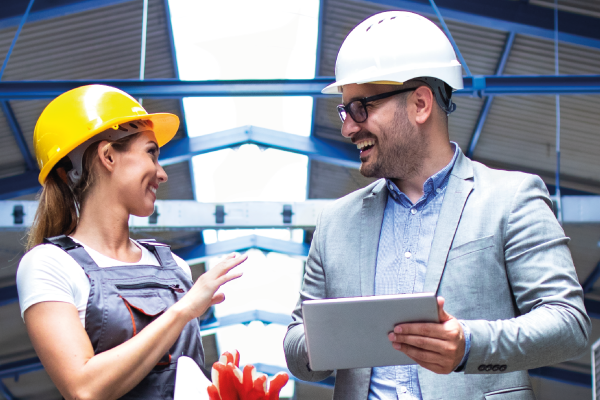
(56, 213)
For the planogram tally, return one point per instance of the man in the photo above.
(485, 241)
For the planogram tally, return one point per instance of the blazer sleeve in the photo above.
(313, 287)
(552, 325)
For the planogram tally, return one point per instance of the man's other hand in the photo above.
(437, 347)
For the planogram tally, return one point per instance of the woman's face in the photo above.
(137, 175)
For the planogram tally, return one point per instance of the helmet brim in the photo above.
(165, 127)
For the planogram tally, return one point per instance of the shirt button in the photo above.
(407, 254)
(413, 211)
(438, 190)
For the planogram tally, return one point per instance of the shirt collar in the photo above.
(431, 185)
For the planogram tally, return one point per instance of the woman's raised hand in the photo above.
(202, 295)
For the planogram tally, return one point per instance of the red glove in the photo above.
(229, 383)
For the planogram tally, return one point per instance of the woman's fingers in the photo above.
(218, 298)
(229, 277)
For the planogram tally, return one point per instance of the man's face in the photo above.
(394, 147)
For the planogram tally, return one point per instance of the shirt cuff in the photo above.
(467, 333)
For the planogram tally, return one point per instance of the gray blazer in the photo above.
(499, 258)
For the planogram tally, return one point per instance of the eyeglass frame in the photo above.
(342, 108)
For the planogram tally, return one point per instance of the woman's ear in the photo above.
(106, 155)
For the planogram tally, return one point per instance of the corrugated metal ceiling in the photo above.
(98, 44)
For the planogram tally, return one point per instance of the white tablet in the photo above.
(353, 332)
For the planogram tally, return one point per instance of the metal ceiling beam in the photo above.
(198, 253)
(478, 85)
(266, 317)
(487, 104)
(326, 150)
(16, 368)
(8, 295)
(590, 281)
(18, 135)
(171, 215)
(19, 185)
(11, 11)
(511, 16)
(563, 376)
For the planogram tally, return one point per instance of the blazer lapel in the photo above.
(372, 211)
(459, 187)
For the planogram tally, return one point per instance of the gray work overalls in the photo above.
(125, 299)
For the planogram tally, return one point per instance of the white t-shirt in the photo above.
(48, 273)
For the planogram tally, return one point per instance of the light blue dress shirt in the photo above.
(404, 246)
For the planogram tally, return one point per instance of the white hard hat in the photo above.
(394, 47)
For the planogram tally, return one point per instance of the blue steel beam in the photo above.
(487, 104)
(5, 392)
(204, 251)
(18, 135)
(11, 11)
(173, 88)
(326, 150)
(8, 295)
(592, 307)
(511, 16)
(563, 376)
(274, 369)
(588, 285)
(19, 185)
(266, 317)
(16, 368)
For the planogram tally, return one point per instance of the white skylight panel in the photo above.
(259, 39)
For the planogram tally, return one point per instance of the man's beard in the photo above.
(401, 150)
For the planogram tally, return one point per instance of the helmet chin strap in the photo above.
(113, 134)
(443, 98)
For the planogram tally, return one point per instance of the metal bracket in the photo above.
(153, 219)
(220, 214)
(18, 214)
(287, 213)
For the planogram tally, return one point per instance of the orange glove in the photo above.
(229, 383)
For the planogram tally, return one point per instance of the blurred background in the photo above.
(259, 153)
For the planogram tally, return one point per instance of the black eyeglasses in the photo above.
(357, 109)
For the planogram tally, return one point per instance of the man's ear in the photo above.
(423, 101)
(106, 155)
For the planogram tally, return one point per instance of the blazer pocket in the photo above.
(517, 393)
(471, 247)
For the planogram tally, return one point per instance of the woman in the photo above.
(108, 316)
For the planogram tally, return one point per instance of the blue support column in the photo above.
(487, 104)
(18, 134)
(317, 73)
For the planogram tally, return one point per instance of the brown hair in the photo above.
(60, 202)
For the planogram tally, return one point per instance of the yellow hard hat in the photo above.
(79, 114)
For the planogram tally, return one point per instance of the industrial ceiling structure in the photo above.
(506, 118)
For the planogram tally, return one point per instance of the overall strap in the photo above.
(75, 250)
(161, 251)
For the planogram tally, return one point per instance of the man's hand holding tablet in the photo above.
(439, 347)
